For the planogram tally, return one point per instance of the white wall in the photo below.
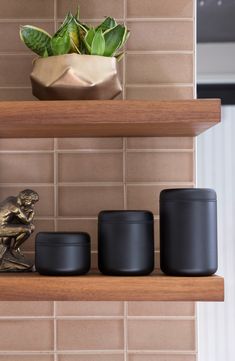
(216, 169)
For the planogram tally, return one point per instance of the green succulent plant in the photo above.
(106, 39)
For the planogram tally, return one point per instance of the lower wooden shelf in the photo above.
(96, 287)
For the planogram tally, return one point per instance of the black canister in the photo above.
(188, 232)
(125, 243)
(62, 253)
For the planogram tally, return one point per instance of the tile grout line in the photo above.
(124, 97)
(130, 85)
(129, 19)
(100, 185)
(130, 52)
(97, 151)
(124, 174)
(124, 178)
(55, 159)
(126, 357)
(195, 150)
(100, 318)
(195, 158)
(56, 169)
(160, 52)
(98, 352)
(55, 331)
(55, 143)
(55, 15)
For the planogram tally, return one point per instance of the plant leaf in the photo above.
(89, 38)
(45, 54)
(108, 23)
(75, 47)
(77, 15)
(98, 43)
(113, 39)
(70, 25)
(60, 42)
(85, 28)
(35, 39)
(119, 56)
(73, 32)
(125, 37)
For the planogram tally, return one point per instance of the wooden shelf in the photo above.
(113, 118)
(96, 287)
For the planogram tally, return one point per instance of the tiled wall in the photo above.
(78, 177)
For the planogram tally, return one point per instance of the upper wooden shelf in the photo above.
(96, 287)
(112, 118)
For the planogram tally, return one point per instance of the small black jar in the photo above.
(188, 232)
(125, 243)
(62, 253)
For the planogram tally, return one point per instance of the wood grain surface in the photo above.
(35, 119)
(96, 287)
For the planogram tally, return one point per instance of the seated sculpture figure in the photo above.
(16, 216)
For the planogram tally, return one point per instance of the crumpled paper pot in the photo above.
(75, 77)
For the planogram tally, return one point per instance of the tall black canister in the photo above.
(188, 231)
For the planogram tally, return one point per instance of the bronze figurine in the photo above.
(16, 216)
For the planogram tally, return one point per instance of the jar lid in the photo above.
(125, 216)
(188, 194)
(63, 238)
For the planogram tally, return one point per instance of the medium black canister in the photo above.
(125, 242)
(62, 253)
(188, 232)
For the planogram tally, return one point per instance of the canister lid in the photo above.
(188, 194)
(63, 238)
(125, 216)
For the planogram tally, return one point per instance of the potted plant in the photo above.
(78, 61)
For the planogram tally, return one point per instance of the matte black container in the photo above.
(188, 232)
(125, 243)
(62, 253)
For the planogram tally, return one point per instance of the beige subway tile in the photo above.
(161, 309)
(159, 167)
(91, 167)
(26, 144)
(15, 70)
(160, 8)
(26, 335)
(157, 260)
(175, 35)
(80, 225)
(158, 357)
(159, 93)
(12, 42)
(86, 357)
(30, 257)
(26, 168)
(44, 207)
(90, 143)
(161, 335)
(28, 357)
(16, 94)
(27, 9)
(89, 308)
(159, 68)
(160, 143)
(156, 234)
(94, 261)
(92, 9)
(40, 226)
(89, 200)
(90, 334)
(17, 308)
(141, 197)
